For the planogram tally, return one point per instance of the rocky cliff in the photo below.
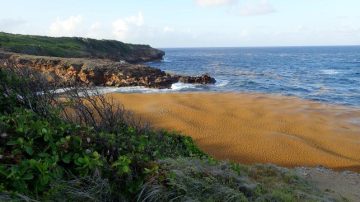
(99, 72)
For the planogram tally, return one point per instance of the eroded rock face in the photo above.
(98, 72)
(204, 79)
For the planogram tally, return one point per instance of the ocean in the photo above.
(324, 74)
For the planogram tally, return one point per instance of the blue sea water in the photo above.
(325, 74)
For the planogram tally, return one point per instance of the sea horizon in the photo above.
(275, 46)
(328, 74)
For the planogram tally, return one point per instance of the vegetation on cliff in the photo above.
(90, 61)
(76, 47)
(77, 147)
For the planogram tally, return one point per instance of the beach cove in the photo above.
(257, 128)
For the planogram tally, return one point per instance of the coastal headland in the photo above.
(69, 60)
(257, 128)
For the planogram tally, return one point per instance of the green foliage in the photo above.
(194, 180)
(38, 151)
(189, 179)
(7, 100)
(70, 47)
(89, 188)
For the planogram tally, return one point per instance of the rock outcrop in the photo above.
(98, 72)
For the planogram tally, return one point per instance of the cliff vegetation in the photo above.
(76, 47)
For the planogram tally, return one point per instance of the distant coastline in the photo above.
(235, 47)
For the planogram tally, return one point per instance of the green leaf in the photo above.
(28, 176)
(44, 131)
(66, 158)
(125, 169)
(96, 155)
(28, 150)
(11, 143)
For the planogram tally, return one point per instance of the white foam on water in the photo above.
(105, 90)
(329, 71)
(166, 59)
(221, 83)
(61, 90)
(182, 86)
(57, 91)
(140, 89)
(176, 87)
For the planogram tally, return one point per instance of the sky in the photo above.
(190, 23)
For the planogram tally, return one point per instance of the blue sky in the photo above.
(190, 23)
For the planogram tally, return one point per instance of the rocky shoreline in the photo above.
(98, 72)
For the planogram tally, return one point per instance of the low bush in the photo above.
(38, 151)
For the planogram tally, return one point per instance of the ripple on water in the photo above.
(273, 70)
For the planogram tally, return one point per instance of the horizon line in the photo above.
(281, 46)
(189, 47)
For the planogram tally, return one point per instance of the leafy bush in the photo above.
(38, 150)
(26, 88)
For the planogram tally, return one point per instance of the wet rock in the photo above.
(204, 79)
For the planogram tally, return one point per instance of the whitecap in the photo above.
(182, 86)
(166, 60)
(140, 89)
(221, 83)
(329, 71)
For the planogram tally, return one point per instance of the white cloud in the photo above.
(95, 30)
(249, 8)
(244, 33)
(67, 27)
(95, 26)
(124, 27)
(137, 20)
(261, 7)
(168, 29)
(120, 29)
(130, 29)
(206, 3)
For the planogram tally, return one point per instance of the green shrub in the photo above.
(37, 151)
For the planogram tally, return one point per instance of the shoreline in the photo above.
(257, 128)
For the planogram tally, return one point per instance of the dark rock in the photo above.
(204, 79)
(98, 72)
